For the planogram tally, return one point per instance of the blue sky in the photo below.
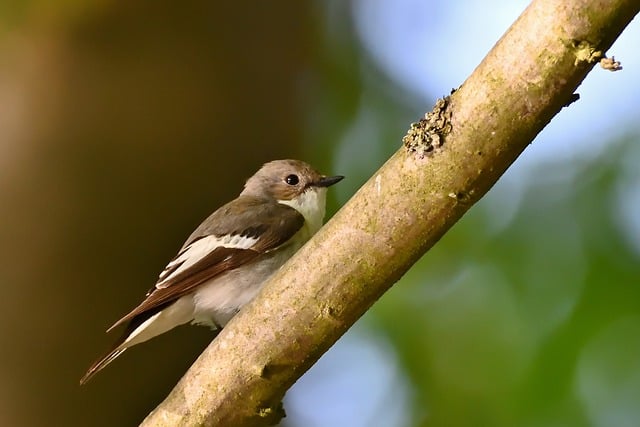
(458, 36)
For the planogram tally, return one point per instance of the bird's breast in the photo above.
(219, 299)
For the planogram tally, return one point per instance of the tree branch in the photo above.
(450, 160)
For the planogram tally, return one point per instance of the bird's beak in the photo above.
(326, 181)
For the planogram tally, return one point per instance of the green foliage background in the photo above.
(124, 125)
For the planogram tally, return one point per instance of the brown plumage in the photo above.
(226, 259)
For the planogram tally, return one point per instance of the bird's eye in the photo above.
(292, 179)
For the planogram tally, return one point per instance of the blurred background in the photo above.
(124, 124)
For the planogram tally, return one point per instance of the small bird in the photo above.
(226, 260)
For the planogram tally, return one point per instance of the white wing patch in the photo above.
(198, 250)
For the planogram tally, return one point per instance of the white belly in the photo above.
(219, 299)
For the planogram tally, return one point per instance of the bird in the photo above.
(224, 263)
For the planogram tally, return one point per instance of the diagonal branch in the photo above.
(450, 160)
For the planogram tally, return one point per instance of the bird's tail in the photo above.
(101, 363)
(143, 327)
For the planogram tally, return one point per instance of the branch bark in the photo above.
(450, 160)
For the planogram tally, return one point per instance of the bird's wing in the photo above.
(234, 235)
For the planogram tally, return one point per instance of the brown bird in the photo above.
(227, 259)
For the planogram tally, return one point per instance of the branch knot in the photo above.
(424, 136)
